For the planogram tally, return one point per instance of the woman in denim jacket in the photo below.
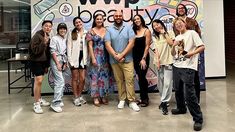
(77, 58)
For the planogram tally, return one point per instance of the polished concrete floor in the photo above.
(217, 103)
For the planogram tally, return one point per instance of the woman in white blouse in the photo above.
(77, 58)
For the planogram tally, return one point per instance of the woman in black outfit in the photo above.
(141, 56)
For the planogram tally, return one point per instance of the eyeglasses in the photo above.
(181, 8)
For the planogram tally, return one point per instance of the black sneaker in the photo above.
(164, 108)
(197, 126)
(178, 111)
(160, 106)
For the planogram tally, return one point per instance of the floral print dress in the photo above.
(99, 76)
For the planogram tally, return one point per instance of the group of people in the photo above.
(124, 49)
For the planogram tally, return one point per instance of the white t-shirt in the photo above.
(191, 41)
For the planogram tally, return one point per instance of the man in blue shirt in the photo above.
(119, 41)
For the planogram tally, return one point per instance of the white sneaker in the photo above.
(82, 100)
(77, 102)
(37, 108)
(134, 106)
(61, 104)
(43, 102)
(57, 109)
(121, 104)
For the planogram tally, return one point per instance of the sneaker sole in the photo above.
(134, 109)
(120, 107)
(78, 105)
(55, 110)
(38, 112)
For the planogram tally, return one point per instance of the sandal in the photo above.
(104, 101)
(144, 103)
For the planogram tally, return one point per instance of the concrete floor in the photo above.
(217, 103)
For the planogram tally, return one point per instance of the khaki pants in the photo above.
(124, 76)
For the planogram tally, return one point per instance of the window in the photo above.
(15, 25)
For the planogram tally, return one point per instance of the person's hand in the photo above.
(175, 43)
(93, 61)
(119, 57)
(162, 31)
(64, 66)
(189, 54)
(122, 60)
(143, 65)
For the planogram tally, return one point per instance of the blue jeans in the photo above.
(183, 79)
(58, 84)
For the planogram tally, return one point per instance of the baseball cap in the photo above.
(61, 25)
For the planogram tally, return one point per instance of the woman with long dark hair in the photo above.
(77, 58)
(163, 41)
(99, 67)
(141, 56)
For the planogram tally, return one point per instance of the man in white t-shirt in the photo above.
(185, 50)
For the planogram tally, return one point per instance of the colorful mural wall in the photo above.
(65, 10)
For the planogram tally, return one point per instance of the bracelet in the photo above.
(143, 58)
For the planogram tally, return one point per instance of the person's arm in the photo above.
(147, 43)
(91, 52)
(109, 47)
(37, 45)
(58, 65)
(173, 51)
(90, 47)
(146, 50)
(69, 48)
(197, 29)
(53, 52)
(168, 37)
(199, 49)
(198, 43)
(129, 46)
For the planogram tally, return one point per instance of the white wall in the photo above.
(214, 38)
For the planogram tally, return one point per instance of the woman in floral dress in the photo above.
(99, 68)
